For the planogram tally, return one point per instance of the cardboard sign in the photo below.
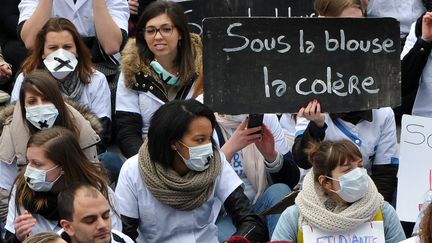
(270, 65)
(415, 165)
(370, 232)
(197, 10)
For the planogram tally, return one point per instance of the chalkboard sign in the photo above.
(269, 65)
(197, 10)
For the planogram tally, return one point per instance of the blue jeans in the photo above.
(270, 197)
(112, 164)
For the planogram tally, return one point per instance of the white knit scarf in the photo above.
(319, 210)
(253, 163)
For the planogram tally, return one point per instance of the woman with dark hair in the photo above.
(59, 50)
(55, 161)
(173, 190)
(337, 196)
(40, 107)
(161, 65)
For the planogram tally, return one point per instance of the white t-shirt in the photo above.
(79, 13)
(422, 105)
(406, 11)
(376, 140)
(159, 222)
(96, 94)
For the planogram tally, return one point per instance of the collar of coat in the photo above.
(131, 64)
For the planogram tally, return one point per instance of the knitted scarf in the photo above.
(253, 163)
(321, 211)
(184, 193)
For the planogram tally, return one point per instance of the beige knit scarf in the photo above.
(320, 211)
(184, 193)
(253, 164)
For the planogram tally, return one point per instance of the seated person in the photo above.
(372, 131)
(261, 158)
(85, 216)
(173, 190)
(55, 161)
(337, 196)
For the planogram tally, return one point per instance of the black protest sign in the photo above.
(269, 65)
(197, 10)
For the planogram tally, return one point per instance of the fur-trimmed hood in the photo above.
(131, 63)
(15, 133)
(6, 115)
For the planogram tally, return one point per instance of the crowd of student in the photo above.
(131, 70)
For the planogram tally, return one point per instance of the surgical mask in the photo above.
(60, 63)
(42, 116)
(164, 74)
(235, 118)
(353, 185)
(36, 179)
(199, 157)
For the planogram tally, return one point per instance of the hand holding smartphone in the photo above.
(255, 120)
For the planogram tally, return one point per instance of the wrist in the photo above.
(270, 158)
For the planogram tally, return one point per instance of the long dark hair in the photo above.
(61, 146)
(185, 56)
(168, 125)
(41, 83)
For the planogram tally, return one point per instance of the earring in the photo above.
(179, 43)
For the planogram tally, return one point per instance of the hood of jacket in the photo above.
(131, 62)
(15, 134)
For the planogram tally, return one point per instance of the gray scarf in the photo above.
(184, 193)
(72, 86)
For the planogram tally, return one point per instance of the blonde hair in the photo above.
(43, 237)
(334, 8)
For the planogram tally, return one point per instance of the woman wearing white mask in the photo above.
(41, 106)
(173, 190)
(59, 50)
(261, 158)
(55, 161)
(338, 196)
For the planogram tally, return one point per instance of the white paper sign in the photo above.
(370, 232)
(415, 163)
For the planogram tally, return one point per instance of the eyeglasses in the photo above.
(165, 30)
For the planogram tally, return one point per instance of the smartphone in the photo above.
(255, 120)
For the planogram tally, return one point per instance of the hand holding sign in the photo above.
(312, 112)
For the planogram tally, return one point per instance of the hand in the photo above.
(23, 225)
(133, 6)
(266, 145)
(241, 138)
(312, 112)
(5, 71)
(427, 27)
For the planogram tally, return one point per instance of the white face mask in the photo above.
(60, 63)
(199, 157)
(36, 179)
(353, 185)
(235, 118)
(42, 116)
